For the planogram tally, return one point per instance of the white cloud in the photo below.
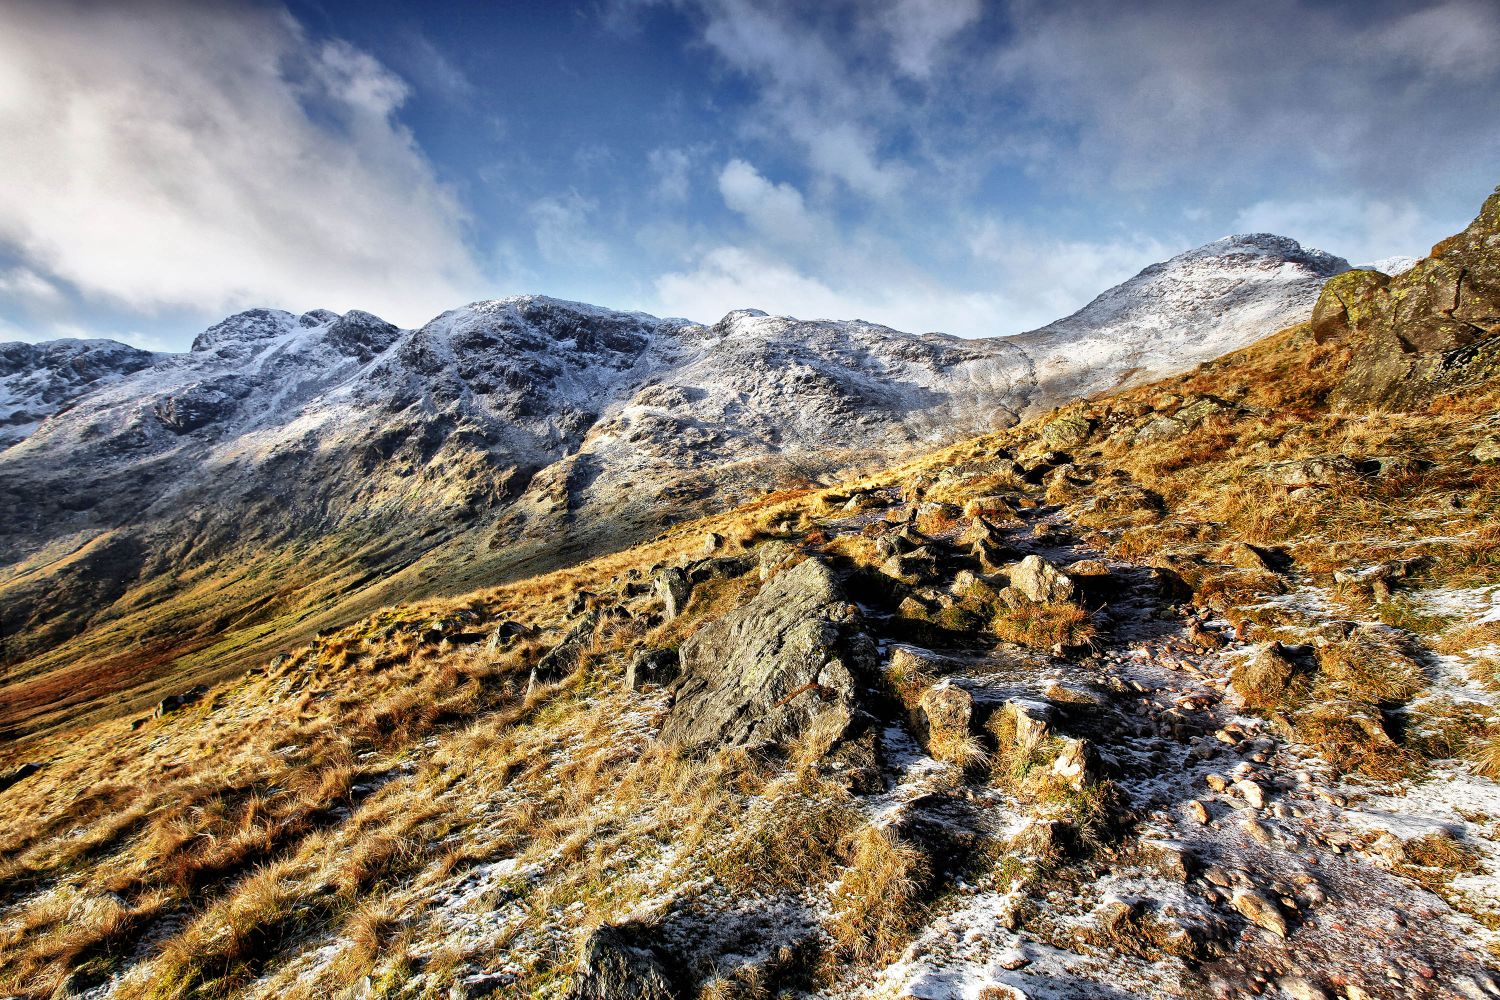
(809, 93)
(212, 156)
(847, 152)
(776, 211)
(1146, 94)
(920, 29)
(1458, 39)
(433, 70)
(1048, 278)
(25, 287)
(565, 233)
(144, 341)
(670, 168)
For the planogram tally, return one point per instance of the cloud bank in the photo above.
(212, 156)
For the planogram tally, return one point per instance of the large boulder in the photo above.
(764, 673)
(1349, 304)
(619, 964)
(1188, 417)
(1068, 430)
(1317, 472)
(566, 656)
(673, 588)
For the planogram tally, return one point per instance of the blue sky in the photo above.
(978, 168)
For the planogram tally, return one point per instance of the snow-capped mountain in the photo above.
(528, 430)
(38, 380)
(1392, 266)
(1196, 306)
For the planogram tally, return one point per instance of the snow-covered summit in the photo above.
(1197, 305)
(38, 380)
(1389, 265)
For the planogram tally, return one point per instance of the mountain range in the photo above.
(292, 470)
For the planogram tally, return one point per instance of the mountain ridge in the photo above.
(507, 437)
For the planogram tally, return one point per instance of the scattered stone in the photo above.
(617, 964)
(1073, 765)
(913, 661)
(1030, 721)
(1298, 988)
(1202, 637)
(1196, 811)
(1067, 694)
(912, 567)
(1038, 580)
(1251, 792)
(1262, 681)
(503, 633)
(1114, 912)
(651, 666)
(1170, 858)
(712, 542)
(1259, 910)
(1388, 466)
(1086, 568)
(1304, 473)
(20, 773)
(176, 702)
(1217, 782)
(1214, 875)
(1068, 430)
(990, 506)
(674, 590)
(1042, 838)
(946, 707)
(1246, 556)
(1258, 832)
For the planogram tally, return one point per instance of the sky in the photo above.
(935, 165)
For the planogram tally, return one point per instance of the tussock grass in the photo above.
(877, 905)
(1042, 626)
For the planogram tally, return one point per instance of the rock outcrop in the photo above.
(764, 674)
(617, 964)
(1429, 331)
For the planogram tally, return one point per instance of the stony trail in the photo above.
(1245, 866)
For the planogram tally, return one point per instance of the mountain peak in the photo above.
(1269, 246)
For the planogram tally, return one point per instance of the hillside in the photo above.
(1184, 690)
(182, 516)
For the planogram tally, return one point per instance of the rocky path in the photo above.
(1241, 868)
